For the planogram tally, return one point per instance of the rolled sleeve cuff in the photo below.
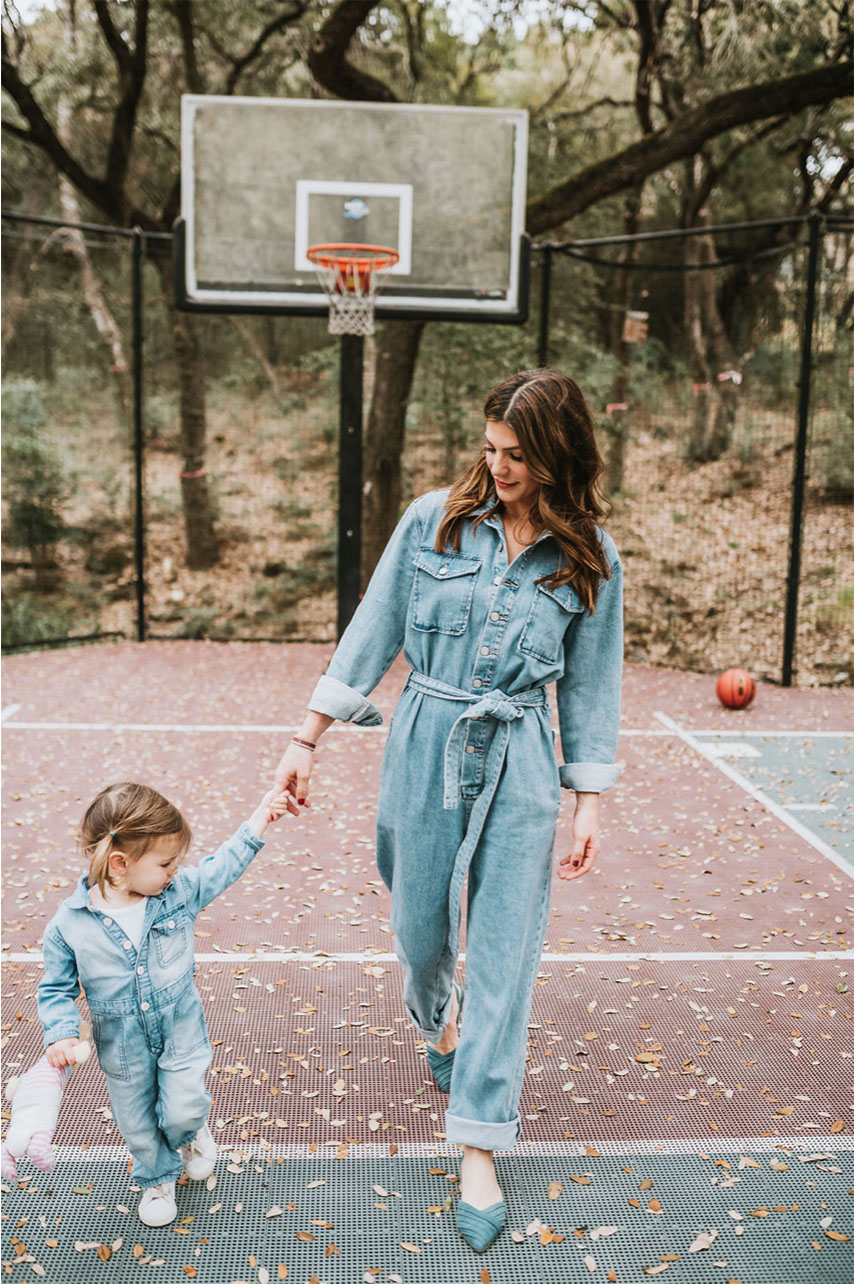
(57, 1032)
(589, 777)
(337, 700)
(245, 835)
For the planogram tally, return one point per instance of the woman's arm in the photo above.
(366, 650)
(588, 696)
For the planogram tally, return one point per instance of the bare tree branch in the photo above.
(327, 56)
(297, 10)
(685, 136)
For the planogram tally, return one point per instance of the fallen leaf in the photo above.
(836, 1235)
(411, 1248)
(554, 1190)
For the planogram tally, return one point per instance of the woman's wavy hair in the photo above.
(128, 817)
(548, 414)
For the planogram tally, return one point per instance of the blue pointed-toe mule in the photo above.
(480, 1226)
(441, 1063)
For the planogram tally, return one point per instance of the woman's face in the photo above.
(514, 483)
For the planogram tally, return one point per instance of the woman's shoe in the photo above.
(441, 1064)
(480, 1226)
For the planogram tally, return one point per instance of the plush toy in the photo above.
(35, 1098)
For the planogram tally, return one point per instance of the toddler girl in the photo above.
(126, 937)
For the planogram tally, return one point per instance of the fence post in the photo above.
(137, 379)
(544, 312)
(800, 448)
(350, 477)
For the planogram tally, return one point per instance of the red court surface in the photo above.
(694, 997)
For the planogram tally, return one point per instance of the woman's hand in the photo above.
(586, 838)
(61, 1053)
(271, 808)
(292, 774)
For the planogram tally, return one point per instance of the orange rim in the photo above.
(347, 256)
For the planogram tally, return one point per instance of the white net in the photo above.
(351, 287)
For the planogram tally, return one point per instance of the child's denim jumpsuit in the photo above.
(470, 783)
(147, 1018)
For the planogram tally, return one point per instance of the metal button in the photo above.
(494, 615)
(444, 570)
(477, 682)
(497, 579)
(485, 650)
(108, 922)
(126, 945)
(145, 1006)
(471, 749)
(140, 971)
(171, 924)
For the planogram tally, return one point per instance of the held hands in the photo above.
(586, 838)
(292, 774)
(272, 807)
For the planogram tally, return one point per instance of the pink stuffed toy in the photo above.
(35, 1098)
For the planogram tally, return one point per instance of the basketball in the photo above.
(735, 688)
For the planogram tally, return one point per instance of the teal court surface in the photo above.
(687, 1102)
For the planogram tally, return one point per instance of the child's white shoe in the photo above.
(200, 1155)
(157, 1205)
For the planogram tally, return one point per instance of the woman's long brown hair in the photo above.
(548, 414)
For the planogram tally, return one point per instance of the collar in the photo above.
(80, 898)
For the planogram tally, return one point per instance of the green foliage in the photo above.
(35, 486)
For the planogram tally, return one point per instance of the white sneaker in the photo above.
(157, 1205)
(200, 1155)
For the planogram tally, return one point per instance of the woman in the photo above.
(493, 589)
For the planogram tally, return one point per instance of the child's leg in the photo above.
(183, 1099)
(134, 1102)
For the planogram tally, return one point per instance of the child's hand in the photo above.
(271, 808)
(61, 1053)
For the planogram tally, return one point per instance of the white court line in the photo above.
(758, 794)
(673, 956)
(264, 728)
(782, 1147)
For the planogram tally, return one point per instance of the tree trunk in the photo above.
(383, 444)
(622, 297)
(201, 544)
(697, 441)
(725, 391)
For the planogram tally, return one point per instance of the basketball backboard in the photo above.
(265, 178)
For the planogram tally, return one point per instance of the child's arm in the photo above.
(56, 994)
(271, 808)
(215, 873)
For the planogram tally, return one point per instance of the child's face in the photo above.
(150, 874)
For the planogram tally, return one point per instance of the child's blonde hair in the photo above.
(130, 817)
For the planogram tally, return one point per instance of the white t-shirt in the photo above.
(130, 918)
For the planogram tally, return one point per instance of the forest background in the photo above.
(644, 115)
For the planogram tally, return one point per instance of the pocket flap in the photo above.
(445, 566)
(564, 595)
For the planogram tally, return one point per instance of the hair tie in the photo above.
(112, 833)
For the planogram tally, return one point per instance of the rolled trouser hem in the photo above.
(484, 1136)
(431, 1036)
(146, 1183)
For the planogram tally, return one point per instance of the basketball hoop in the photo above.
(350, 275)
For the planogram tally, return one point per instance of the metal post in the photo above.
(544, 315)
(800, 449)
(137, 380)
(350, 477)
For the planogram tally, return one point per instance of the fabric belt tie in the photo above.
(493, 704)
(505, 709)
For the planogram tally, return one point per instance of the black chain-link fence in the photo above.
(690, 350)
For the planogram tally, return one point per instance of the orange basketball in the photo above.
(735, 688)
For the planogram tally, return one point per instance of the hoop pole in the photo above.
(350, 477)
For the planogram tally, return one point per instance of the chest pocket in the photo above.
(443, 591)
(551, 612)
(171, 936)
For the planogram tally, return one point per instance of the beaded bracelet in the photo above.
(304, 744)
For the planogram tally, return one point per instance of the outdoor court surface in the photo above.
(687, 1100)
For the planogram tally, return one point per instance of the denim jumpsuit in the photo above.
(470, 785)
(147, 1018)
